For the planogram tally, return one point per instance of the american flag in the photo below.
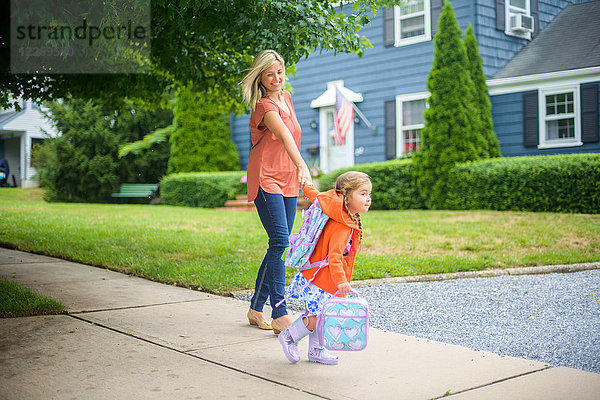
(343, 116)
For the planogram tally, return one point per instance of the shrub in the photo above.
(201, 189)
(562, 183)
(201, 139)
(393, 184)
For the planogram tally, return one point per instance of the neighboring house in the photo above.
(542, 59)
(19, 131)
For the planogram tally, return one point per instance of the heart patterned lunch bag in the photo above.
(343, 324)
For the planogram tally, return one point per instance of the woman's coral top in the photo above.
(269, 165)
(333, 241)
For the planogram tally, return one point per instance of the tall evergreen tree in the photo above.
(481, 97)
(81, 164)
(450, 135)
(200, 138)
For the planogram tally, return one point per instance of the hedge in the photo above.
(393, 184)
(201, 189)
(562, 183)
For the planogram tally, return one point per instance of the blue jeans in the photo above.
(277, 214)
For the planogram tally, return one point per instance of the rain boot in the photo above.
(317, 353)
(290, 337)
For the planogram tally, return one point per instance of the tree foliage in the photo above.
(82, 164)
(132, 123)
(200, 140)
(209, 43)
(451, 133)
(481, 96)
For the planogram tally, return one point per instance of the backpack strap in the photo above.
(320, 264)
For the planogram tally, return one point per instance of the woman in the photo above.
(276, 171)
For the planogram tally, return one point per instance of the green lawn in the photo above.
(220, 251)
(17, 301)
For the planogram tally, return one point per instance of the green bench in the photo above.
(137, 190)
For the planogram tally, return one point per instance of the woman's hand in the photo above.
(344, 287)
(304, 177)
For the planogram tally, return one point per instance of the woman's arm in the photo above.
(273, 121)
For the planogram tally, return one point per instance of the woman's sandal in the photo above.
(261, 324)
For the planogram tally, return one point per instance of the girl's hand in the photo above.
(344, 287)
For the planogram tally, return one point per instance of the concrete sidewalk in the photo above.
(129, 338)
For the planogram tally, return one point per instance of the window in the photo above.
(559, 118)
(412, 22)
(34, 143)
(519, 22)
(410, 122)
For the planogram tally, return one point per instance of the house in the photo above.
(541, 58)
(19, 132)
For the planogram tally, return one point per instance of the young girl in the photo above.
(352, 196)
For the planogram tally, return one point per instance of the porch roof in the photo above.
(328, 97)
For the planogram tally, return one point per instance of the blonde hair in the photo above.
(252, 88)
(345, 184)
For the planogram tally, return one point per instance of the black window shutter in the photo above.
(390, 130)
(533, 10)
(530, 119)
(589, 113)
(388, 26)
(500, 15)
(436, 10)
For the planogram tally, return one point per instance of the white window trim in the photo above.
(416, 39)
(551, 144)
(507, 13)
(400, 128)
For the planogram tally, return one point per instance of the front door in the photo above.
(334, 156)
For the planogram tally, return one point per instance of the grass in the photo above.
(17, 301)
(220, 251)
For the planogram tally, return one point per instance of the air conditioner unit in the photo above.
(520, 23)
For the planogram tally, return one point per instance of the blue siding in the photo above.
(507, 112)
(497, 48)
(240, 135)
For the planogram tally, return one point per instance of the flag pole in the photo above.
(361, 115)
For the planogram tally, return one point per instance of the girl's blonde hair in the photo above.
(252, 88)
(345, 184)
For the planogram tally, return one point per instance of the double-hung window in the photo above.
(410, 121)
(518, 18)
(559, 122)
(412, 22)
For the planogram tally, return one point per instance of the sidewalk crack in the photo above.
(450, 395)
(185, 353)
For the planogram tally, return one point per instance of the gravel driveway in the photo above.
(552, 318)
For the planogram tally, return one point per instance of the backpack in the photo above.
(303, 243)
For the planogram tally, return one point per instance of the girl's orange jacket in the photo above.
(333, 241)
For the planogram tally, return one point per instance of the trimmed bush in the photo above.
(201, 189)
(201, 140)
(393, 184)
(562, 183)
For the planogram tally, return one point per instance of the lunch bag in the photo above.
(343, 325)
